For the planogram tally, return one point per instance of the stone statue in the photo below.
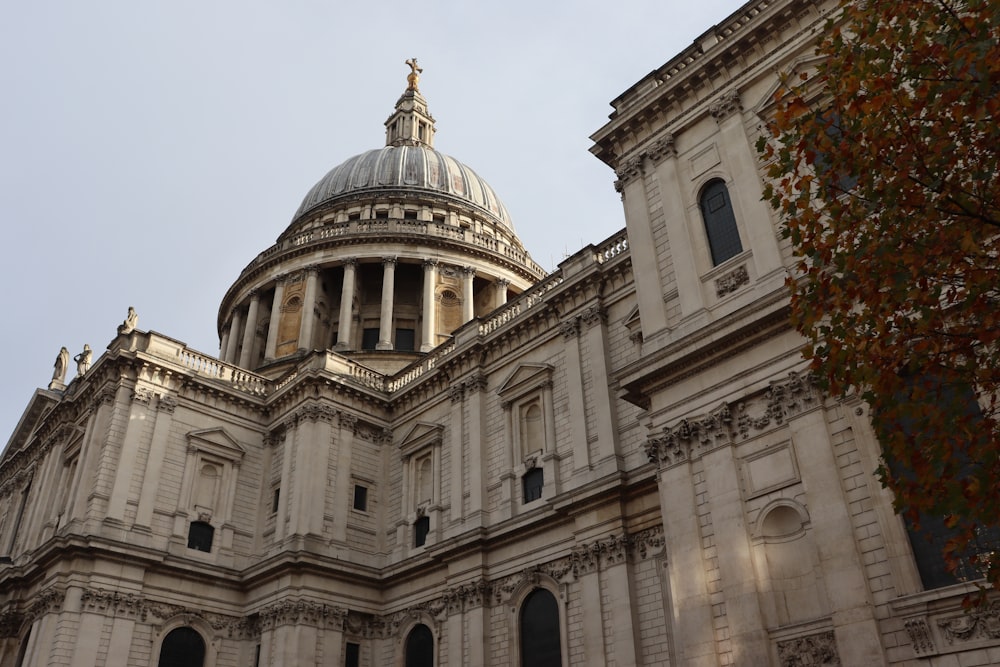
(131, 320)
(83, 360)
(59, 370)
(413, 78)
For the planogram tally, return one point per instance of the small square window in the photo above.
(360, 498)
(200, 536)
(405, 340)
(409, 215)
(369, 339)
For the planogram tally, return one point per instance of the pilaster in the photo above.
(132, 443)
(165, 406)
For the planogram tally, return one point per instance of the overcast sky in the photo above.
(149, 150)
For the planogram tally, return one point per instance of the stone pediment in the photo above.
(525, 377)
(217, 442)
(791, 76)
(421, 435)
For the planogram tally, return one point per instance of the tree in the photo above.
(883, 165)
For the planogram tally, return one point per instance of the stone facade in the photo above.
(631, 443)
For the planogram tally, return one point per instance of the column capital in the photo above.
(350, 261)
(388, 260)
(467, 271)
(430, 263)
(502, 282)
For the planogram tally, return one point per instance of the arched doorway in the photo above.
(539, 630)
(182, 647)
(420, 647)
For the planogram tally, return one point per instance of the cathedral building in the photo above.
(416, 447)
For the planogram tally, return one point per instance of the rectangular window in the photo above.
(360, 498)
(421, 527)
(405, 340)
(274, 500)
(369, 339)
(534, 481)
(381, 215)
(352, 655)
(409, 215)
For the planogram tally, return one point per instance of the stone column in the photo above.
(642, 247)
(843, 571)
(235, 326)
(575, 399)
(468, 303)
(308, 310)
(590, 599)
(457, 392)
(385, 317)
(689, 607)
(737, 578)
(593, 323)
(501, 288)
(224, 343)
(345, 323)
(131, 446)
(250, 331)
(428, 332)
(271, 346)
(475, 389)
(687, 281)
(343, 453)
(154, 463)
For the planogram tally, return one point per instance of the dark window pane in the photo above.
(720, 222)
(405, 339)
(183, 647)
(421, 527)
(533, 482)
(540, 630)
(200, 536)
(420, 647)
(352, 655)
(360, 497)
(369, 339)
(275, 499)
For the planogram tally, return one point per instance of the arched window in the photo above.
(539, 630)
(182, 647)
(720, 222)
(420, 647)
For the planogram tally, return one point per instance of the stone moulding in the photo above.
(692, 437)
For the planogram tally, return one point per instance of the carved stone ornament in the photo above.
(476, 383)
(167, 404)
(456, 392)
(662, 148)
(690, 437)
(727, 105)
(142, 395)
(570, 328)
(629, 168)
(972, 625)
(782, 400)
(594, 315)
(732, 281)
(920, 636)
(812, 651)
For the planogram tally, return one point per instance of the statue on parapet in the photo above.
(413, 78)
(83, 360)
(130, 323)
(59, 370)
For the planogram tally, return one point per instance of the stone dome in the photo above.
(411, 168)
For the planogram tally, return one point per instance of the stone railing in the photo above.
(208, 367)
(384, 226)
(419, 368)
(616, 245)
(513, 309)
